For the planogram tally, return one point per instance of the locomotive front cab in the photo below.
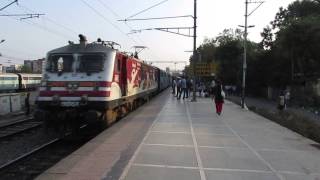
(76, 81)
(73, 78)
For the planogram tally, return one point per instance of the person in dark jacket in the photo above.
(27, 103)
(218, 98)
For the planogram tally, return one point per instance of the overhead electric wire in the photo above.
(260, 3)
(40, 27)
(15, 1)
(51, 20)
(107, 20)
(155, 18)
(19, 52)
(19, 14)
(66, 37)
(107, 7)
(140, 12)
(130, 28)
(10, 58)
(28, 10)
(118, 16)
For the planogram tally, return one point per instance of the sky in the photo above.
(64, 20)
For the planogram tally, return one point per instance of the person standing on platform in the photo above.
(189, 86)
(178, 88)
(281, 104)
(218, 97)
(27, 103)
(184, 88)
(174, 84)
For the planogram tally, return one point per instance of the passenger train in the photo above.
(15, 82)
(90, 82)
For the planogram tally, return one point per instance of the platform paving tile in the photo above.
(219, 141)
(233, 175)
(169, 138)
(203, 115)
(65, 165)
(264, 131)
(81, 176)
(231, 158)
(50, 176)
(301, 176)
(207, 121)
(277, 142)
(293, 161)
(165, 155)
(177, 120)
(161, 173)
(171, 127)
(211, 129)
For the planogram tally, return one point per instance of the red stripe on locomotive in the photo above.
(75, 93)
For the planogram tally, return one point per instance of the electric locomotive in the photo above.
(89, 82)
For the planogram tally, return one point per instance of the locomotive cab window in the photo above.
(60, 63)
(91, 63)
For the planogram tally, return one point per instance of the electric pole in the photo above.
(194, 56)
(244, 65)
(174, 30)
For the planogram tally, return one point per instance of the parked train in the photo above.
(89, 82)
(15, 82)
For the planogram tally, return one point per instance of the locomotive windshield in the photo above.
(60, 63)
(88, 63)
(91, 63)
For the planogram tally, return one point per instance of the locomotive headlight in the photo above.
(69, 85)
(75, 86)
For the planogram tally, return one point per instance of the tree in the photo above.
(25, 69)
(207, 50)
(229, 56)
(267, 38)
(292, 42)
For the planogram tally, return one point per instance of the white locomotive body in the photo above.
(90, 82)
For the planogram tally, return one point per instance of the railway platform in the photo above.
(182, 140)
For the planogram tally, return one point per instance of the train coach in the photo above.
(90, 82)
(15, 82)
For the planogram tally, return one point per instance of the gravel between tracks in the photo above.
(15, 146)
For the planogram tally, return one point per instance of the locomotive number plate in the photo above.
(69, 104)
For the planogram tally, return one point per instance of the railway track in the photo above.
(3, 166)
(18, 127)
(34, 162)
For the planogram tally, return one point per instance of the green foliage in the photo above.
(207, 50)
(25, 69)
(290, 48)
(295, 49)
(226, 50)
